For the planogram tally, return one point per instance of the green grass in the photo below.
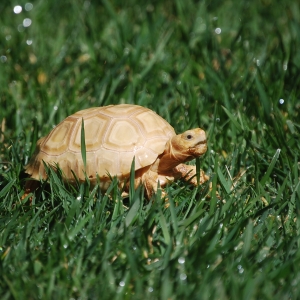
(239, 240)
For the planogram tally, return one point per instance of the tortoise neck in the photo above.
(171, 158)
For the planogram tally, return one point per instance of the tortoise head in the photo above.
(181, 148)
(188, 145)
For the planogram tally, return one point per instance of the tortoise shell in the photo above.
(114, 135)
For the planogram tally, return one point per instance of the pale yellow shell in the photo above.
(114, 135)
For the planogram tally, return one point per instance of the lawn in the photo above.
(229, 67)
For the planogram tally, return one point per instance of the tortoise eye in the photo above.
(188, 136)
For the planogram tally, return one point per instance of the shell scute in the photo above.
(153, 125)
(123, 135)
(122, 110)
(95, 127)
(126, 161)
(66, 164)
(107, 162)
(157, 145)
(144, 157)
(57, 141)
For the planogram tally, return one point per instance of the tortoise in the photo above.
(114, 136)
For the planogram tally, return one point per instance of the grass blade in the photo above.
(266, 103)
(163, 40)
(248, 235)
(173, 214)
(198, 170)
(223, 181)
(232, 119)
(131, 181)
(6, 188)
(34, 136)
(82, 145)
(134, 209)
(164, 227)
(187, 222)
(213, 201)
(270, 168)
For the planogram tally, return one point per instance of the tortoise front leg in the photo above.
(188, 173)
(150, 180)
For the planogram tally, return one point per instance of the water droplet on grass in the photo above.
(28, 6)
(183, 276)
(281, 101)
(17, 9)
(20, 28)
(240, 268)
(122, 283)
(181, 260)
(284, 66)
(27, 22)
(218, 30)
(150, 289)
(202, 27)
(3, 58)
(86, 4)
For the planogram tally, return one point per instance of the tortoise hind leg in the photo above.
(31, 186)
